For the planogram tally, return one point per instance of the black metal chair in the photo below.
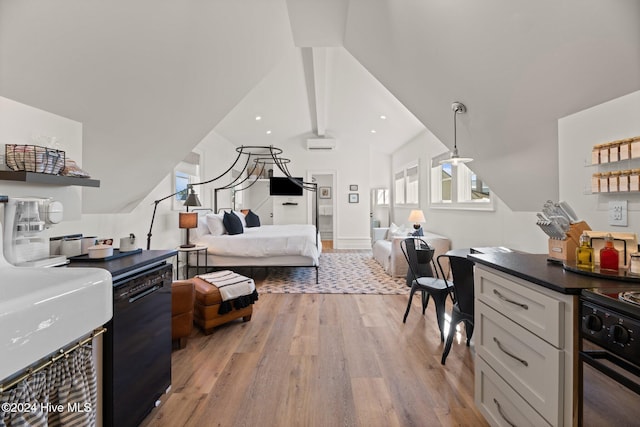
(462, 277)
(428, 286)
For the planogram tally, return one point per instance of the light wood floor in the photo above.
(322, 360)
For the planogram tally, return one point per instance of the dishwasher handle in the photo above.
(144, 294)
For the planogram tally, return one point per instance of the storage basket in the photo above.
(33, 158)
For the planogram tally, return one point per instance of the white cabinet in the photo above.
(525, 358)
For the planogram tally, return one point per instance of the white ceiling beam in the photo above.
(320, 88)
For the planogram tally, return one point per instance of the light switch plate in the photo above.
(618, 213)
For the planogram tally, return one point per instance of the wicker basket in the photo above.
(33, 158)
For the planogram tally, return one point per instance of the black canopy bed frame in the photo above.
(262, 156)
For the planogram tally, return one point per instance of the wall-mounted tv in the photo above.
(283, 186)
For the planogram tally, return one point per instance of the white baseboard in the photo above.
(352, 243)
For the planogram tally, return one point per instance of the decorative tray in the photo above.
(116, 254)
(622, 274)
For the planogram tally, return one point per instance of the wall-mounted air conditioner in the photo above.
(321, 144)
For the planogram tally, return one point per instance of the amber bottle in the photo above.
(609, 256)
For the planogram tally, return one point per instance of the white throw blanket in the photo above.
(231, 285)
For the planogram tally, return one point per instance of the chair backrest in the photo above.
(462, 276)
(408, 247)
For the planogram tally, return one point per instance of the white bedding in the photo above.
(265, 241)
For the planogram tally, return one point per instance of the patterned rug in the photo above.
(341, 272)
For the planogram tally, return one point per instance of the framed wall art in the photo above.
(325, 192)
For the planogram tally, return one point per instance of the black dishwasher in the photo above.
(137, 363)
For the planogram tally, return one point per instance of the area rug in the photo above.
(348, 272)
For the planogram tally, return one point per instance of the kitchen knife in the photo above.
(569, 211)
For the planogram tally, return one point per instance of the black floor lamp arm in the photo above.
(153, 217)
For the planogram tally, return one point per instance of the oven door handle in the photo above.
(591, 357)
(144, 294)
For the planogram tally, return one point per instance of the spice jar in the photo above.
(634, 265)
(595, 154)
(625, 149)
(604, 182)
(623, 180)
(634, 180)
(614, 181)
(595, 182)
(604, 153)
(614, 151)
(635, 147)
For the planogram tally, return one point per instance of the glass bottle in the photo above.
(609, 257)
(584, 253)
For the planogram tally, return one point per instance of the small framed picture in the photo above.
(353, 187)
(354, 198)
(325, 192)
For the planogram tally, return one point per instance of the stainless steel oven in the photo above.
(609, 369)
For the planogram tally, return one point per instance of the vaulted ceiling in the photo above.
(149, 79)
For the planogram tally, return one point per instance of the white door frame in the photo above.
(334, 184)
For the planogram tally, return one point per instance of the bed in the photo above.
(287, 245)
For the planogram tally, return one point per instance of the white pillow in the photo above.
(201, 229)
(393, 229)
(243, 220)
(214, 222)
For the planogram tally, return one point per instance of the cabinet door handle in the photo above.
(503, 298)
(504, 417)
(508, 353)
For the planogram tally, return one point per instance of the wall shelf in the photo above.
(43, 178)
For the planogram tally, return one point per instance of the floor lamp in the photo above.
(192, 200)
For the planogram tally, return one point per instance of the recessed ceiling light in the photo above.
(268, 132)
(383, 117)
(258, 117)
(373, 131)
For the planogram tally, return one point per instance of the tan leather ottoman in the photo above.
(208, 300)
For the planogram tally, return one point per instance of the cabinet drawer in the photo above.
(530, 365)
(533, 310)
(497, 401)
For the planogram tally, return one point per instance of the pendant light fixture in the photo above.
(455, 159)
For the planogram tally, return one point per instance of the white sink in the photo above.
(44, 309)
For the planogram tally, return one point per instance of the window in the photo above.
(381, 196)
(407, 186)
(186, 172)
(457, 186)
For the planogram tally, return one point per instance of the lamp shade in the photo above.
(417, 216)
(188, 220)
(192, 199)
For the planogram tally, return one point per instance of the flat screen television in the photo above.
(283, 186)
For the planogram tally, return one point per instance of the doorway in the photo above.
(326, 206)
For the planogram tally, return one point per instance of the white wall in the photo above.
(578, 133)
(20, 124)
(350, 160)
(465, 228)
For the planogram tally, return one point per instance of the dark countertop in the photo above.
(536, 269)
(123, 265)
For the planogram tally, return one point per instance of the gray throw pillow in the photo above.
(232, 223)
(252, 219)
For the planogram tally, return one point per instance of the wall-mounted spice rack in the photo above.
(620, 180)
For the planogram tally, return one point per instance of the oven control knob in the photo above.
(593, 322)
(619, 334)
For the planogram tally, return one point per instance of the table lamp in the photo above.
(417, 217)
(188, 220)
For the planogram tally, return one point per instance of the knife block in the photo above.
(565, 250)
